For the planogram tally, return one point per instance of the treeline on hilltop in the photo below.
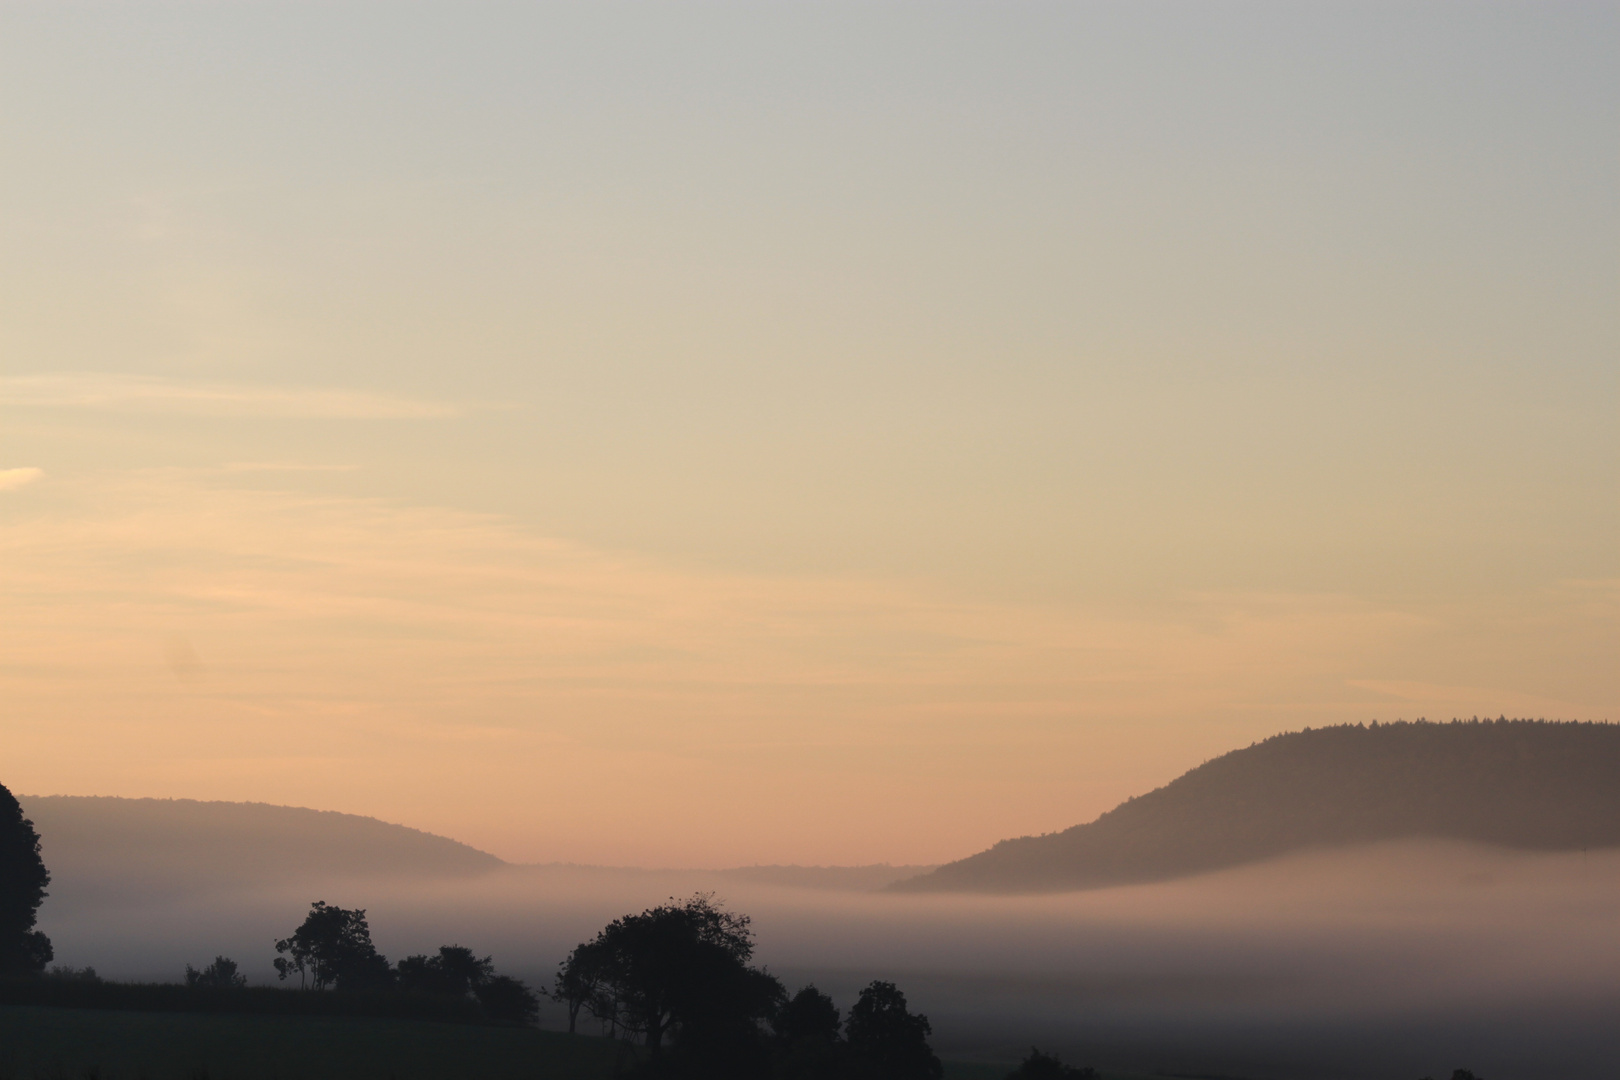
(1517, 783)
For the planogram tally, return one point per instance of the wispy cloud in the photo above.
(282, 466)
(16, 478)
(150, 394)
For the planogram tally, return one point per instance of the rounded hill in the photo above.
(1515, 783)
(184, 843)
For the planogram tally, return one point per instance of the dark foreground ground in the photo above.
(78, 1044)
(69, 1044)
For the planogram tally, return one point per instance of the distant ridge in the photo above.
(1515, 783)
(104, 844)
(157, 841)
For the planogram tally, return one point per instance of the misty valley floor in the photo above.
(1387, 961)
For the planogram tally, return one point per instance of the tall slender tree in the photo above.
(582, 982)
(23, 877)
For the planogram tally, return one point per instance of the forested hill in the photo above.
(130, 842)
(1516, 783)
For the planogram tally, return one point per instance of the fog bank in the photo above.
(1400, 959)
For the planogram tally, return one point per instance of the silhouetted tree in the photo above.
(1039, 1066)
(719, 1028)
(508, 1000)
(657, 965)
(809, 1014)
(453, 972)
(887, 1040)
(456, 972)
(679, 973)
(23, 877)
(582, 983)
(809, 1046)
(333, 947)
(221, 975)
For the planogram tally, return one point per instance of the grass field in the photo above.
(74, 1044)
(39, 1043)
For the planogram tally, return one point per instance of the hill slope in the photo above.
(182, 842)
(1517, 783)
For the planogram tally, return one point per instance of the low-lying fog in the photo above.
(1398, 960)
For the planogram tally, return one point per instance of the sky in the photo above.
(708, 434)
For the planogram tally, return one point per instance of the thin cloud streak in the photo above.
(283, 466)
(16, 478)
(150, 394)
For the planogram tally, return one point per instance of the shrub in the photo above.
(66, 973)
(221, 974)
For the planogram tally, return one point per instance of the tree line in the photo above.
(332, 949)
(678, 980)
